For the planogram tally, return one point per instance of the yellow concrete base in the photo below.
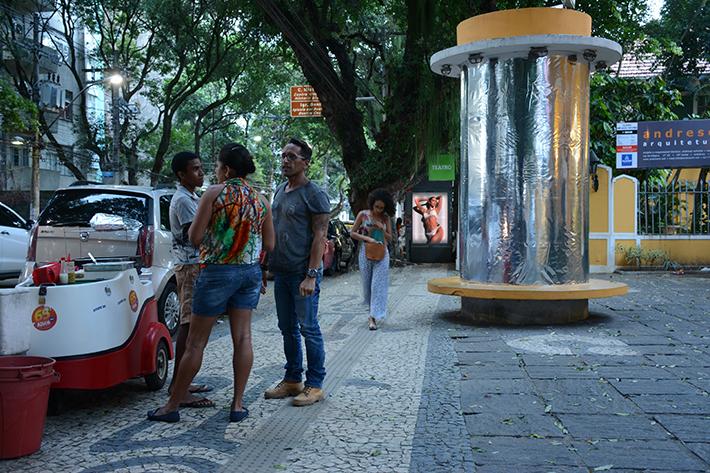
(594, 289)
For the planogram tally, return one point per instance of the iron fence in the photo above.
(679, 208)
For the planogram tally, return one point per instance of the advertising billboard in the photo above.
(669, 144)
(430, 218)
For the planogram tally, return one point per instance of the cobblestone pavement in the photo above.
(625, 391)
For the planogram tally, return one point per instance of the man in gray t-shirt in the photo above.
(301, 212)
(294, 233)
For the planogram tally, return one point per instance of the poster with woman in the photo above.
(430, 218)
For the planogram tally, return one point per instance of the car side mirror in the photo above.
(29, 224)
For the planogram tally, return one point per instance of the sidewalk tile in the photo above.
(522, 425)
(604, 426)
(653, 386)
(633, 372)
(640, 455)
(549, 453)
(672, 404)
(688, 428)
(497, 386)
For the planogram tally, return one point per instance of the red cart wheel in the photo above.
(156, 380)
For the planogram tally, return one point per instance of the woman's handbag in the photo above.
(374, 251)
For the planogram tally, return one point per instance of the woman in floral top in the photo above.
(232, 225)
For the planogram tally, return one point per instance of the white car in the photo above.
(14, 237)
(111, 222)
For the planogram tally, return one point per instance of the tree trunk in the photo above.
(162, 148)
(132, 156)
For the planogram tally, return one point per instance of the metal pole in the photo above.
(115, 128)
(35, 207)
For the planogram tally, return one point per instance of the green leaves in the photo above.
(19, 114)
(613, 100)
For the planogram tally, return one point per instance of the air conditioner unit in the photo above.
(51, 95)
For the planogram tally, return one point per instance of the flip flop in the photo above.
(238, 416)
(169, 417)
(201, 402)
(200, 388)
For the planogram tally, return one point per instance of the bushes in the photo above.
(637, 256)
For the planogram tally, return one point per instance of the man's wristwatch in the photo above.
(312, 273)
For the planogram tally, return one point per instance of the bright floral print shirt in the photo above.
(233, 235)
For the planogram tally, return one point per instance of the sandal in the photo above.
(200, 402)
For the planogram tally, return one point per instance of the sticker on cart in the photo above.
(133, 300)
(44, 318)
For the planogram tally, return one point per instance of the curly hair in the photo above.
(383, 196)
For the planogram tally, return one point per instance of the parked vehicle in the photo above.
(111, 222)
(14, 237)
(339, 250)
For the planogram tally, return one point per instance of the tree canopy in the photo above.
(207, 72)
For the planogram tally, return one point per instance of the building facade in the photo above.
(57, 99)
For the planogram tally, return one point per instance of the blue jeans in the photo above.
(298, 315)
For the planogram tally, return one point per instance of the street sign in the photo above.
(668, 144)
(304, 102)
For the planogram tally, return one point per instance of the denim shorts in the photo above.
(221, 287)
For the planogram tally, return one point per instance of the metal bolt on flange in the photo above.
(538, 52)
(476, 58)
(589, 55)
(446, 69)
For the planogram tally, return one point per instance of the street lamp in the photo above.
(116, 79)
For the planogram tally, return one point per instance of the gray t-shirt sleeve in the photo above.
(317, 202)
(184, 212)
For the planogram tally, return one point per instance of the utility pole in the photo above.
(115, 125)
(35, 207)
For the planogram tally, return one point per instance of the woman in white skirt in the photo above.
(373, 228)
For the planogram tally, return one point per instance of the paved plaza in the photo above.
(627, 390)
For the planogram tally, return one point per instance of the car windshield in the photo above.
(78, 207)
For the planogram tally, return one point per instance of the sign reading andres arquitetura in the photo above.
(672, 144)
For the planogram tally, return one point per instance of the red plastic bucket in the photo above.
(24, 392)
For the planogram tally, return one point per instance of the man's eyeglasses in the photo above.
(290, 157)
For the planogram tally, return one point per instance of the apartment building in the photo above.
(58, 98)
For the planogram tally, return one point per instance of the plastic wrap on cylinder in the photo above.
(524, 171)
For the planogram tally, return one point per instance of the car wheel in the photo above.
(169, 308)
(156, 380)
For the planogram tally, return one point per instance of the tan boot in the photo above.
(310, 395)
(283, 389)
